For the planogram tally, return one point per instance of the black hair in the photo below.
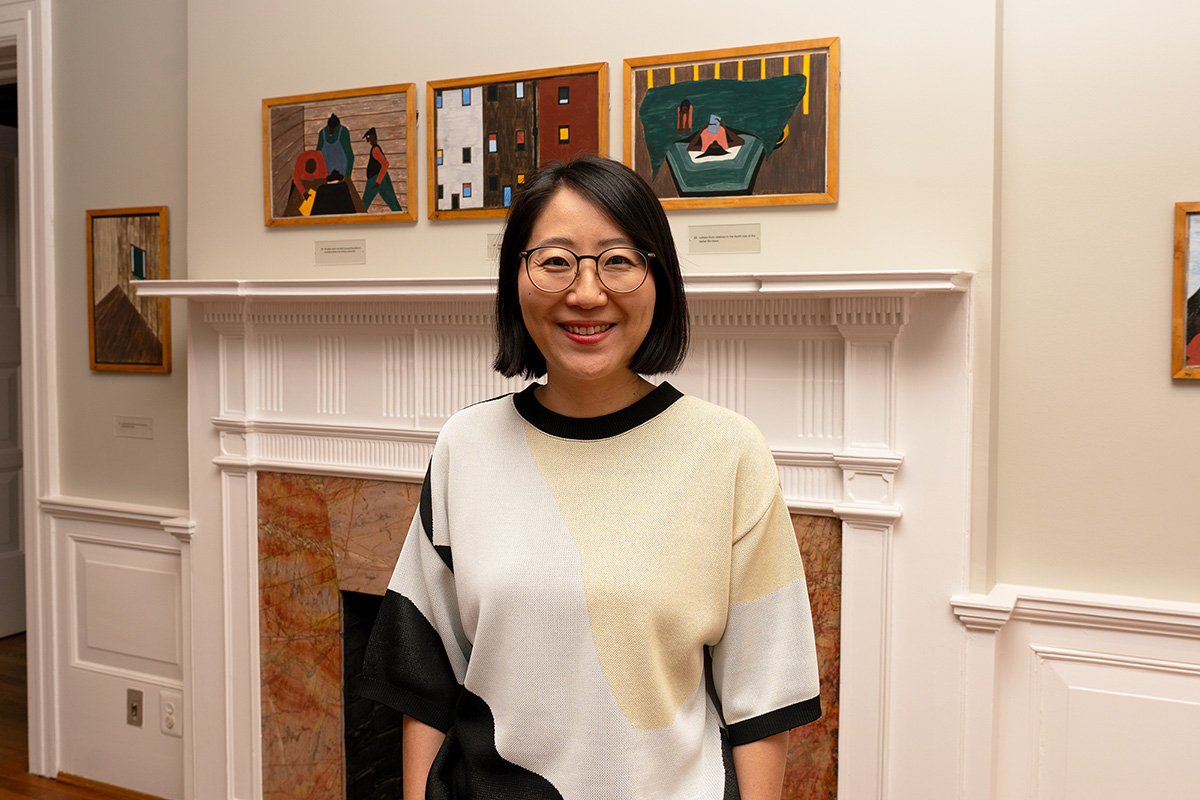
(620, 194)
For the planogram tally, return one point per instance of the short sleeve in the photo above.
(765, 665)
(416, 658)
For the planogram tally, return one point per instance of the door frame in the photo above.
(27, 23)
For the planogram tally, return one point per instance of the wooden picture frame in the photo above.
(323, 154)
(485, 134)
(1185, 306)
(127, 333)
(745, 126)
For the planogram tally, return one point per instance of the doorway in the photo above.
(12, 539)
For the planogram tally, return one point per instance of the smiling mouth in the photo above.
(586, 330)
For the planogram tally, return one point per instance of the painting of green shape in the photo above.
(732, 127)
(750, 126)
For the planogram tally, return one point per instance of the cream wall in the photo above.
(1081, 475)
(916, 132)
(120, 133)
(1096, 479)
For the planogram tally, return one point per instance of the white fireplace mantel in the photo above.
(355, 377)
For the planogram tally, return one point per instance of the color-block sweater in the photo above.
(597, 608)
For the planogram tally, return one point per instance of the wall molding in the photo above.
(1010, 602)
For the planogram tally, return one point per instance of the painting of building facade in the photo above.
(491, 132)
(746, 126)
(338, 157)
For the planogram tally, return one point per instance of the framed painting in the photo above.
(748, 126)
(1185, 307)
(126, 332)
(487, 133)
(339, 157)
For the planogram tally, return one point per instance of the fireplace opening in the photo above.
(372, 730)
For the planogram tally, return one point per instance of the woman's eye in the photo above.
(555, 262)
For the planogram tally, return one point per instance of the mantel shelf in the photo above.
(778, 285)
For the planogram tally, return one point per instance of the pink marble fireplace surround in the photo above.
(319, 536)
(313, 407)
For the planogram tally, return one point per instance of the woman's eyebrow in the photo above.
(567, 241)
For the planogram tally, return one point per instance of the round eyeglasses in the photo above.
(555, 269)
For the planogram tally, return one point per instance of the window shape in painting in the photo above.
(520, 87)
(520, 178)
(440, 160)
(492, 143)
(441, 191)
(507, 196)
(564, 95)
(466, 97)
(493, 93)
(520, 141)
(466, 192)
(466, 155)
(137, 262)
(564, 134)
(437, 98)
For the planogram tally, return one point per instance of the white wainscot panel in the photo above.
(1102, 715)
(1072, 696)
(126, 605)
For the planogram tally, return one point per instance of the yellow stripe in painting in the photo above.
(717, 68)
(672, 76)
(741, 65)
(762, 72)
(649, 79)
(787, 60)
(807, 78)
(695, 72)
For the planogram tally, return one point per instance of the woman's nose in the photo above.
(588, 292)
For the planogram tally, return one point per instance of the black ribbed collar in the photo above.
(657, 401)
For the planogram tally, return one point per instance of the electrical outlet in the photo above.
(170, 709)
(134, 708)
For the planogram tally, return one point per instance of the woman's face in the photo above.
(587, 334)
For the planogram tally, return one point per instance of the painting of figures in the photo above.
(127, 332)
(745, 126)
(488, 133)
(339, 157)
(1185, 340)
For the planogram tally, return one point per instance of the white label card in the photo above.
(340, 253)
(719, 239)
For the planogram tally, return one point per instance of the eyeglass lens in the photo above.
(553, 269)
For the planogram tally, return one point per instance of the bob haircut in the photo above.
(621, 195)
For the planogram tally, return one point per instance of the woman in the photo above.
(378, 180)
(601, 596)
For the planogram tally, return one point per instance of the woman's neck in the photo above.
(585, 399)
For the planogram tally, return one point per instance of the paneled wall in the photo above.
(120, 625)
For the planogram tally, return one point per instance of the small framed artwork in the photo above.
(338, 157)
(486, 134)
(1185, 308)
(748, 126)
(125, 332)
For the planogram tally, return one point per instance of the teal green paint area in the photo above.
(759, 109)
